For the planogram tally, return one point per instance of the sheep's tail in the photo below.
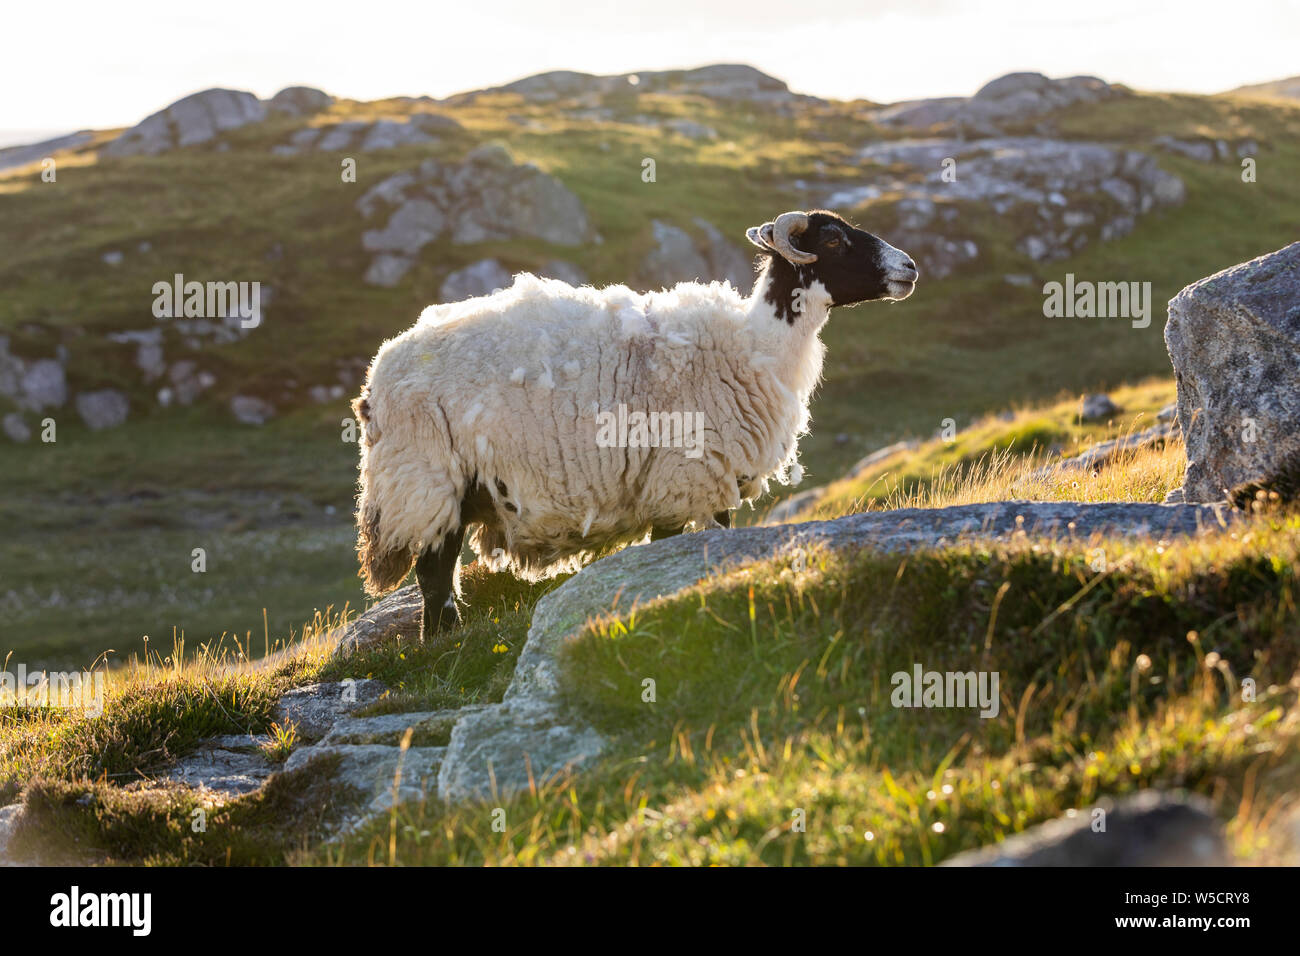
(382, 569)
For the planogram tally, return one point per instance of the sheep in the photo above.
(508, 416)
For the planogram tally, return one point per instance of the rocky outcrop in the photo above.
(106, 408)
(1009, 100)
(480, 278)
(1097, 406)
(1234, 340)
(299, 101)
(225, 766)
(251, 410)
(677, 256)
(486, 197)
(315, 708)
(1104, 453)
(1148, 829)
(532, 732)
(721, 81)
(198, 118)
(367, 136)
(1206, 150)
(14, 156)
(1070, 192)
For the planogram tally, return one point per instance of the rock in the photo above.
(533, 736)
(340, 136)
(881, 454)
(1148, 829)
(12, 157)
(415, 224)
(485, 198)
(387, 270)
(434, 123)
(793, 506)
(1061, 187)
(150, 360)
(724, 260)
(724, 81)
(1103, 453)
(300, 101)
(396, 617)
(8, 824)
(1201, 150)
(373, 769)
(11, 370)
(1014, 99)
(250, 410)
(429, 728)
(691, 129)
(564, 271)
(315, 708)
(1168, 414)
(187, 382)
(1097, 406)
(112, 258)
(1234, 340)
(386, 134)
(43, 385)
(222, 771)
(492, 155)
(678, 257)
(197, 118)
(15, 428)
(106, 408)
(481, 278)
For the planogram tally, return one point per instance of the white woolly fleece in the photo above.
(504, 391)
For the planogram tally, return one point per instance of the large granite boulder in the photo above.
(1234, 340)
(197, 118)
(1148, 829)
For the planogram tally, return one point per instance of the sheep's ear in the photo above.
(761, 236)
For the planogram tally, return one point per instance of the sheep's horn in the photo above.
(790, 224)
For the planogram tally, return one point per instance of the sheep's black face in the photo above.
(854, 265)
(851, 265)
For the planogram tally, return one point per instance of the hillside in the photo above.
(105, 521)
(767, 735)
(1288, 89)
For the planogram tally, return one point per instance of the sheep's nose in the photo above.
(910, 266)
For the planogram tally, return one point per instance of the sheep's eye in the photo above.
(832, 242)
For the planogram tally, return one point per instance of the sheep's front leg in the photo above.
(723, 518)
(658, 533)
(436, 571)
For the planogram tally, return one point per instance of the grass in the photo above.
(773, 709)
(771, 737)
(96, 785)
(1002, 456)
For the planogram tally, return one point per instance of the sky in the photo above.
(87, 64)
